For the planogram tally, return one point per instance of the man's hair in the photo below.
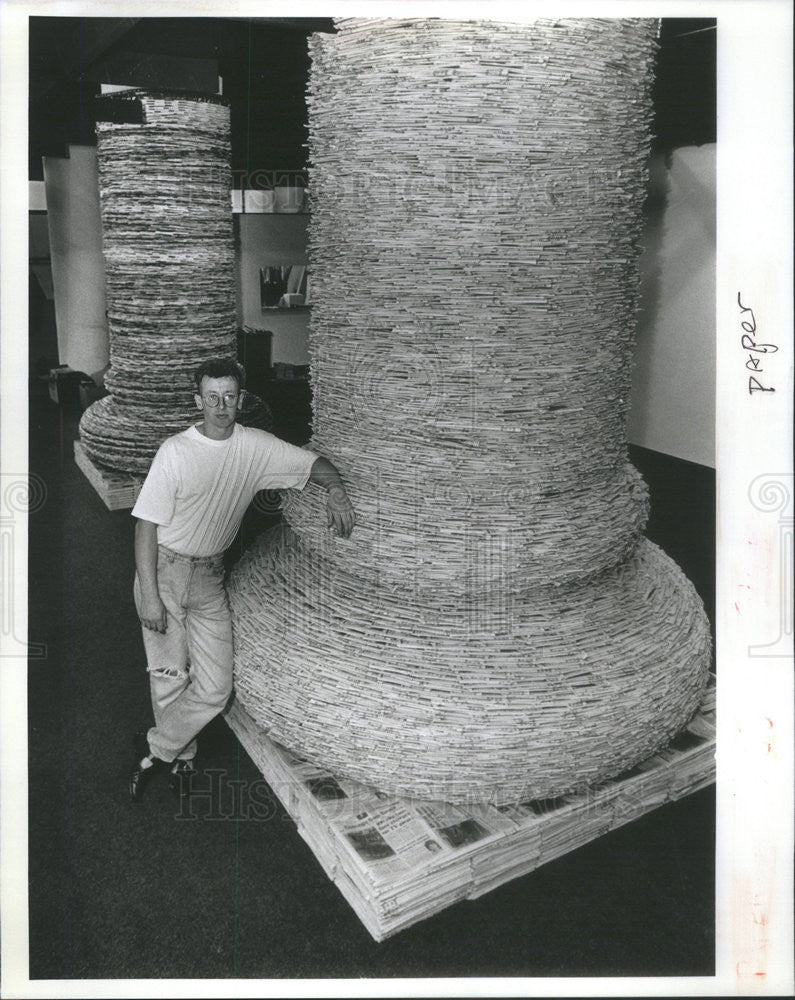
(220, 368)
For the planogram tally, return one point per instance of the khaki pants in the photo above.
(190, 665)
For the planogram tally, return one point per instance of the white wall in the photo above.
(78, 269)
(673, 391)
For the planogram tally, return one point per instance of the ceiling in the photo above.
(264, 64)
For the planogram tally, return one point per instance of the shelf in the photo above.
(238, 211)
(266, 202)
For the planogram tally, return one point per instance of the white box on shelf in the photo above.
(288, 199)
(258, 201)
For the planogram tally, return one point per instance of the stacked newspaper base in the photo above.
(496, 627)
(117, 490)
(400, 860)
(169, 261)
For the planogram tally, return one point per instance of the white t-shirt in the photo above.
(197, 489)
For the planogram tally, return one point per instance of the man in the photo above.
(189, 510)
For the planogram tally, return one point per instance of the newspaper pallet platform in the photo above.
(117, 490)
(397, 861)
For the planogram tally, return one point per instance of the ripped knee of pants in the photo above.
(175, 673)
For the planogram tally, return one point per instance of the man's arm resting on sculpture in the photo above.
(153, 611)
(341, 515)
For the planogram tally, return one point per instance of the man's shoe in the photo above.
(139, 779)
(139, 776)
(181, 773)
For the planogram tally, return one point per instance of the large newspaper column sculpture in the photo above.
(497, 627)
(169, 265)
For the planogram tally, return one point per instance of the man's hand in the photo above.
(153, 613)
(341, 515)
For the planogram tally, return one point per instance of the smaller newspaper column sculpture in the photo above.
(169, 264)
(496, 628)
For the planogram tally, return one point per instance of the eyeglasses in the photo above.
(213, 399)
